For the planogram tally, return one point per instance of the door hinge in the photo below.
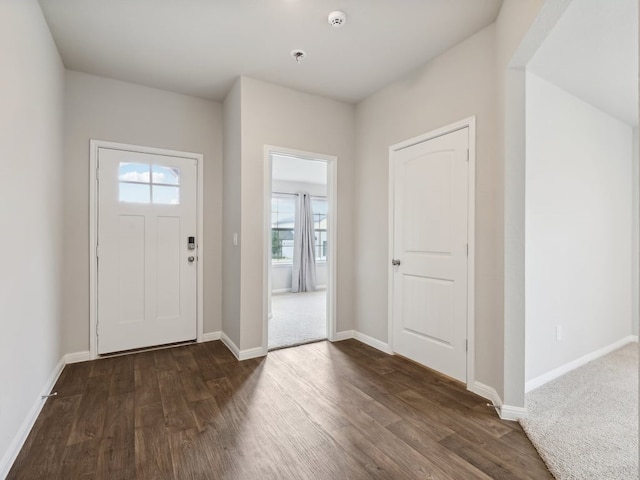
(97, 329)
(466, 345)
(467, 249)
(98, 252)
(467, 154)
(97, 174)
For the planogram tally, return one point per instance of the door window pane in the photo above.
(145, 183)
(134, 192)
(133, 172)
(163, 195)
(165, 175)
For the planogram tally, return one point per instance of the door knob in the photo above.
(191, 259)
(395, 262)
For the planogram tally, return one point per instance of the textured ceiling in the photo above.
(199, 47)
(592, 52)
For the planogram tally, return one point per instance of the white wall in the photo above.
(231, 213)
(104, 109)
(31, 167)
(282, 117)
(519, 27)
(635, 237)
(578, 228)
(281, 277)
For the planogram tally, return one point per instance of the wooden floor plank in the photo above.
(89, 421)
(320, 412)
(152, 453)
(80, 460)
(116, 457)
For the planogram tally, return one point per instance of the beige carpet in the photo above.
(297, 318)
(585, 423)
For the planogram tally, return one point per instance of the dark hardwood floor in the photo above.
(320, 411)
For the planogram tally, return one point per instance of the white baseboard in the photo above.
(344, 335)
(211, 336)
(505, 412)
(508, 412)
(485, 391)
(373, 342)
(567, 367)
(241, 354)
(251, 353)
(18, 441)
(276, 291)
(233, 348)
(366, 339)
(77, 357)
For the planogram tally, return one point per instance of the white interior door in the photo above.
(430, 243)
(147, 271)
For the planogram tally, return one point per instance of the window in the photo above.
(146, 183)
(283, 209)
(319, 208)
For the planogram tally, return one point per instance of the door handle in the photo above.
(191, 259)
(395, 262)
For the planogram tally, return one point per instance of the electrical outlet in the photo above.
(558, 333)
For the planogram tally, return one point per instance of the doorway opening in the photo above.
(300, 248)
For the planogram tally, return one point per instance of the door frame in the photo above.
(94, 146)
(469, 123)
(332, 202)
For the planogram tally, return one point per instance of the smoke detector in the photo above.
(337, 19)
(298, 55)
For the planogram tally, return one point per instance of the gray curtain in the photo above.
(303, 278)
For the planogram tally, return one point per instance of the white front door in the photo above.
(147, 271)
(430, 242)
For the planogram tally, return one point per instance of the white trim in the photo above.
(505, 412)
(485, 391)
(578, 362)
(241, 354)
(211, 336)
(252, 353)
(332, 227)
(21, 436)
(366, 339)
(508, 412)
(77, 357)
(469, 123)
(94, 145)
(200, 245)
(344, 335)
(233, 348)
(288, 290)
(373, 342)
(391, 233)
(280, 290)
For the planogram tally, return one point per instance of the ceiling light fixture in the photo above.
(298, 55)
(337, 19)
